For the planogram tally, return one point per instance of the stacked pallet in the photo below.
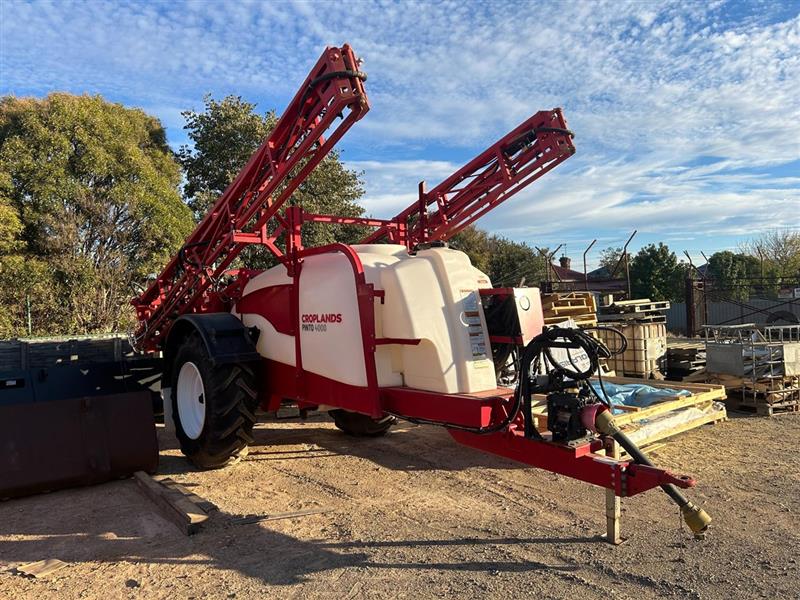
(764, 397)
(578, 306)
(685, 358)
(638, 311)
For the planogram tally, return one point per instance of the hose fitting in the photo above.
(604, 423)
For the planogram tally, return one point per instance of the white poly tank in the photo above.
(432, 296)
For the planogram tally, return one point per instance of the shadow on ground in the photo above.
(114, 522)
(407, 447)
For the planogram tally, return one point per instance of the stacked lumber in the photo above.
(685, 358)
(578, 306)
(639, 311)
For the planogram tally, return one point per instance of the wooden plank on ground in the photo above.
(204, 504)
(176, 507)
(41, 568)
(275, 517)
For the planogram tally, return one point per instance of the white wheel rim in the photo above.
(191, 400)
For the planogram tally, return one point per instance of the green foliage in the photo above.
(657, 274)
(226, 133)
(731, 274)
(224, 136)
(505, 262)
(609, 259)
(475, 243)
(10, 228)
(89, 204)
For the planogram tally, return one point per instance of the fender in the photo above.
(225, 337)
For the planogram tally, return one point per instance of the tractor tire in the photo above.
(213, 406)
(356, 424)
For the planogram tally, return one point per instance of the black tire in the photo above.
(230, 398)
(356, 424)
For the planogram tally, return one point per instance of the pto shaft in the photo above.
(695, 517)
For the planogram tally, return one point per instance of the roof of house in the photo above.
(567, 274)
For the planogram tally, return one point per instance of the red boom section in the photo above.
(240, 216)
(519, 158)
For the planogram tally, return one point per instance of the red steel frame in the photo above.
(248, 212)
(242, 214)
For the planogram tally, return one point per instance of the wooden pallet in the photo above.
(702, 396)
(685, 345)
(636, 317)
(580, 320)
(578, 306)
(636, 306)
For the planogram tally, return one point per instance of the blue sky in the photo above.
(687, 115)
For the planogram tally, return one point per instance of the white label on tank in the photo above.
(472, 319)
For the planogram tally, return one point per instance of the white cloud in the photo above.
(681, 110)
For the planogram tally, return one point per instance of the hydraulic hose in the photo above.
(695, 517)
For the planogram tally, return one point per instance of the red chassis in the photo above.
(252, 211)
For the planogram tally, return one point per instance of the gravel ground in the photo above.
(415, 515)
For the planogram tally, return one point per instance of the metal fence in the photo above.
(757, 311)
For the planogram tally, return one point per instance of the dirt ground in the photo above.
(414, 515)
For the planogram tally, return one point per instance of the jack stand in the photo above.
(613, 506)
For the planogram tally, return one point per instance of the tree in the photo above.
(657, 274)
(89, 197)
(511, 262)
(475, 243)
(10, 228)
(609, 258)
(505, 262)
(224, 136)
(780, 250)
(731, 273)
(226, 133)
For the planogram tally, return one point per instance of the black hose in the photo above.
(531, 360)
(183, 260)
(639, 457)
(695, 517)
(328, 76)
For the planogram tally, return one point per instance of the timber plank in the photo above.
(184, 513)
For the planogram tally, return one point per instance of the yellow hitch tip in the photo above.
(696, 518)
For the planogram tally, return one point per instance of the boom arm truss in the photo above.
(515, 161)
(240, 215)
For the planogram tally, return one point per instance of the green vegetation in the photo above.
(506, 263)
(225, 134)
(89, 204)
